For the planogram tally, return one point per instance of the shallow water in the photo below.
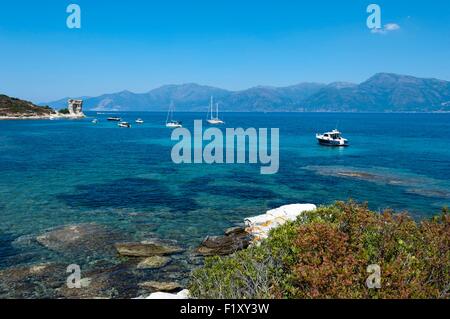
(69, 172)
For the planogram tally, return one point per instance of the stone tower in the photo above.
(75, 107)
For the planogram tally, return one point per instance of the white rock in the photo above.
(291, 212)
(258, 220)
(260, 226)
(184, 294)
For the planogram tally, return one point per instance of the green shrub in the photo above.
(325, 254)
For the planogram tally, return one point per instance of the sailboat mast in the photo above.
(212, 107)
(170, 113)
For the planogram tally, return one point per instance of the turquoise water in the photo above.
(64, 172)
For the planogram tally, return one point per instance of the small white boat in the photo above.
(114, 119)
(94, 121)
(170, 122)
(174, 124)
(215, 122)
(140, 121)
(124, 124)
(332, 138)
(211, 118)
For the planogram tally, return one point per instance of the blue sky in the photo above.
(139, 45)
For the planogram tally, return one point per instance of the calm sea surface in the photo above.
(61, 172)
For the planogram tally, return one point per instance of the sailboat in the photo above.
(170, 122)
(214, 120)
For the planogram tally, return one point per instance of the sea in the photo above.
(56, 173)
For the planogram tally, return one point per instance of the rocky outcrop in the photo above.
(260, 226)
(16, 109)
(146, 249)
(235, 239)
(256, 229)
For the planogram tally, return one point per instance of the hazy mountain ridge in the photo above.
(384, 92)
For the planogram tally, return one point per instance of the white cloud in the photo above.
(391, 27)
(387, 28)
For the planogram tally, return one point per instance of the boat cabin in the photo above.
(334, 135)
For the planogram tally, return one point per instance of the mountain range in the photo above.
(383, 92)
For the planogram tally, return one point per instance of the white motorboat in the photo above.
(124, 124)
(94, 121)
(140, 121)
(212, 118)
(332, 138)
(174, 124)
(114, 119)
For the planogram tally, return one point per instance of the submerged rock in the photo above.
(108, 283)
(153, 262)
(235, 239)
(361, 175)
(38, 281)
(49, 281)
(81, 237)
(146, 249)
(161, 286)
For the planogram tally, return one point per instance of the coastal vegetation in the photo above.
(10, 107)
(14, 108)
(64, 111)
(326, 254)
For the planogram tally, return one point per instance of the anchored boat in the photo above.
(124, 124)
(212, 118)
(170, 122)
(140, 121)
(332, 138)
(114, 119)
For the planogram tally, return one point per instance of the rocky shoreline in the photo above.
(238, 238)
(149, 269)
(16, 109)
(56, 116)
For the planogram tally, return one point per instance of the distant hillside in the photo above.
(194, 97)
(384, 92)
(12, 107)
